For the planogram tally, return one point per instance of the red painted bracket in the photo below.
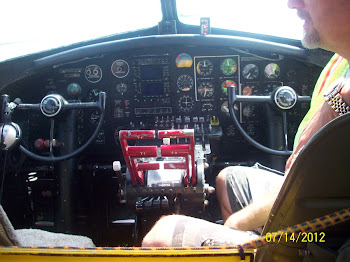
(183, 150)
(133, 153)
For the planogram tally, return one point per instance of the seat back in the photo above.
(318, 184)
(8, 235)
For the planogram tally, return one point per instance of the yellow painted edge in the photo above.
(202, 251)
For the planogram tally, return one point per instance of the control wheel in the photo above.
(283, 98)
(51, 106)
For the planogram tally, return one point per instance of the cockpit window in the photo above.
(32, 26)
(270, 17)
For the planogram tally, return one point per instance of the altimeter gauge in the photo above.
(206, 89)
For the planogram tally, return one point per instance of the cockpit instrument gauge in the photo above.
(185, 83)
(186, 103)
(272, 71)
(225, 84)
(249, 111)
(93, 73)
(205, 67)
(207, 107)
(206, 89)
(247, 90)
(250, 71)
(94, 118)
(224, 108)
(231, 130)
(120, 68)
(183, 60)
(73, 89)
(121, 88)
(228, 66)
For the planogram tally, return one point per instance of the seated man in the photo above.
(237, 187)
(327, 25)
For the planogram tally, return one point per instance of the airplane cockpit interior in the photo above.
(102, 137)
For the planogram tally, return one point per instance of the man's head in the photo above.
(327, 23)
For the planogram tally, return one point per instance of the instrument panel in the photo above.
(174, 87)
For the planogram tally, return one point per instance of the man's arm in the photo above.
(322, 116)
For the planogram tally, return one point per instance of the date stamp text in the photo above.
(301, 237)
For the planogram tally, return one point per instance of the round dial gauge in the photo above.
(250, 71)
(272, 71)
(205, 67)
(207, 107)
(231, 130)
(74, 89)
(224, 108)
(249, 111)
(121, 88)
(225, 84)
(228, 66)
(206, 89)
(94, 118)
(186, 103)
(93, 73)
(247, 90)
(184, 60)
(120, 68)
(185, 83)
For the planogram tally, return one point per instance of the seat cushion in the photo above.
(41, 238)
